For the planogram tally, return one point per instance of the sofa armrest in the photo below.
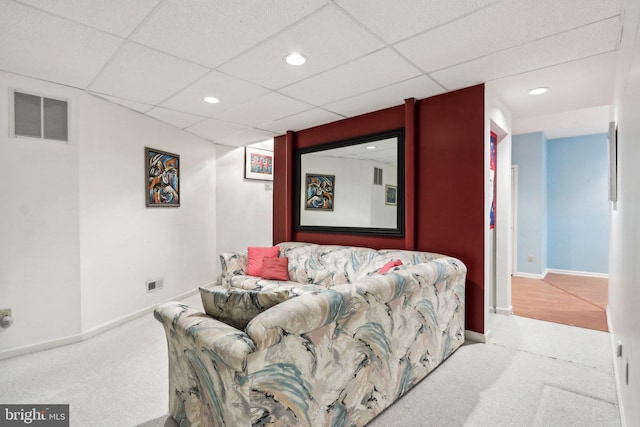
(233, 264)
(207, 367)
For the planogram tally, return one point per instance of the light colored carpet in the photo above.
(530, 373)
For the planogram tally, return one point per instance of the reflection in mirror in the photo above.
(352, 186)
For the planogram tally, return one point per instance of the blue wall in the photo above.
(578, 208)
(563, 211)
(528, 152)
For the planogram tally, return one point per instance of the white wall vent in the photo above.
(36, 116)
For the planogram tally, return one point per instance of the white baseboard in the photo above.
(476, 336)
(558, 271)
(505, 311)
(73, 339)
(577, 273)
(529, 275)
(616, 370)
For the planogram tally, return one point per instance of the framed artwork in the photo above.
(390, 195)
(258, 164)
(319, 192)
(162, 175)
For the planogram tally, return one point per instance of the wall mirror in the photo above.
(353, 186)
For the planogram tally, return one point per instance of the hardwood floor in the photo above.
(560, 298)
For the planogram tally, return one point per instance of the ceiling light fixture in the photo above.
(295, 59)
(371, 147)
(211, 99)
(538, 91)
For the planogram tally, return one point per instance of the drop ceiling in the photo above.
(162, 57)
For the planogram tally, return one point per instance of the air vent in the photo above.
(35, 116)
(377, 176)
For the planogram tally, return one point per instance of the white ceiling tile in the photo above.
(394, 22)
(211, 32)
(501, 26)
(133, 105)
(175, 118)
(304, 120)
(570, 86)
(245, 137)
(584, 121)
(211, 129)
(40, 45)
(583, 42)
(145, 75)
(321, 38)
(229, 90)
(104, 15)
(264, 109)
(418, 87)
(381, 68)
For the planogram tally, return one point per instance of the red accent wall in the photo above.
(444, 182)
(450, 185)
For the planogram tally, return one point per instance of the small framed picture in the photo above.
(390, 195)
(319, 192)
(162, 175)
(258, 164)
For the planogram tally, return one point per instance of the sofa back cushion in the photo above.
(329, 265)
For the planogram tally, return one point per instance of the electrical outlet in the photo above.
(154, 285)
(530, 258)
(5, 312)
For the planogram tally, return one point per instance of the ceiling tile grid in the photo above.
(328, 38)
(162, 57)
(103, 15)
(212, 32)
(40, 45)
(380, 68)
(145, 75)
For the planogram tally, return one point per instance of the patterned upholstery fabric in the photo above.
(347, 346)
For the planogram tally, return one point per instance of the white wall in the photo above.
(624, 244)
(39, 236)
(77, 243)
(244, 206)
(123, 244)
(499, 240)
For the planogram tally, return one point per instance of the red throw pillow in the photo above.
(275, 268)
(388, 266)
(256, 255)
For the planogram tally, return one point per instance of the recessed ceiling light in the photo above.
(211, 99)
(371, 147)
(295, 59)
(538, 91)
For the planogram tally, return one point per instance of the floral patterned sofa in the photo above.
(345, 345)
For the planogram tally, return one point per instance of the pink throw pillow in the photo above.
(388, 266)
(256, 255)
(275, 268)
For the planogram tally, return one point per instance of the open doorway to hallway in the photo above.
(561, 226)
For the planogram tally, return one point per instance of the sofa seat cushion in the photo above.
(258, 284)
(237, 307)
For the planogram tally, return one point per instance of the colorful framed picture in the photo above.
(258, 164)
(391, 195)
(162, 175)
(319, 192)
